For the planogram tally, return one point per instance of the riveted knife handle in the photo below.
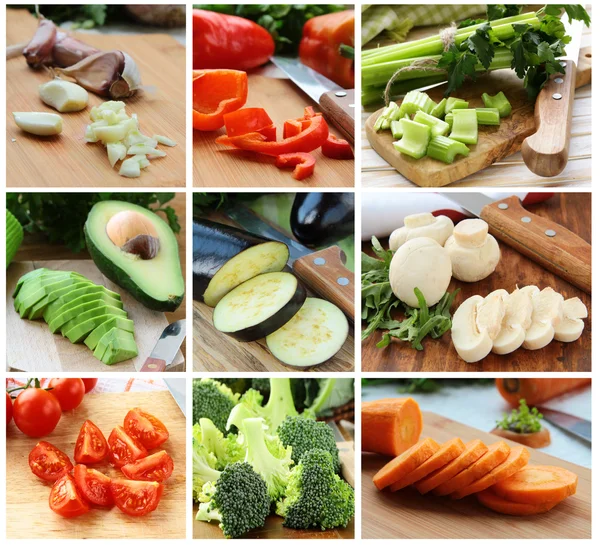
(340, 111)
(552, 246)
(154, 365)
(325, 274)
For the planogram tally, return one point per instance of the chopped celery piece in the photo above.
(454, 104)
(498, 101)
(438, 127)
(485, 116)
(397, 131)
(445, 149)
(464, 126)
(415, 138)
(390, 112)
(386, 124)
(440, 109)
(415, 101)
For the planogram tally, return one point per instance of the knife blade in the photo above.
(323, 271)
(546, 152)
(166, 348)
(579, 427)
(336, 102)
(177, 388)
(552, 246)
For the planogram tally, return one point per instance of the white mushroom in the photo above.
(546, 316)
(470, 342)
(474, 253)
(571, 326)
(517, 319)
(422, 225)
(491, 311)
(424, 264)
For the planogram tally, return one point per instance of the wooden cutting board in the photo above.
(495, 142)
(408, 514)
(219, 166)
(27, 497)
(67, 160)
(572, 210)
(32, 347)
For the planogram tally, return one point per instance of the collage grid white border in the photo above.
(5, 480)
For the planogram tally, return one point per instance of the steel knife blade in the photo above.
(579, 427)
(177, 388)
(166, 348)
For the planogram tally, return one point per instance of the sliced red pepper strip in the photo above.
(291, 128)
(309, 112)
(309, 139)
(246, 120)
(216, 93)
(269, 132)
(303, 164)
(337, 149)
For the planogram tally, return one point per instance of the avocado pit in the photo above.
(133, 233)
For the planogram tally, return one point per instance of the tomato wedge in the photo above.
(122, 449)
(66, 500)
(136, 498)
(148, 430)
(93, 485)
(91, 446)
(156, 467)
(48, 462)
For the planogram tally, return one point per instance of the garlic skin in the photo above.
(44, 124)
(39, 50)
(64, 96)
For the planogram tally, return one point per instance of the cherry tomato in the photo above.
(66, 500)
(36, 412)
(89, 383)
(91, 446)
(68, 391)
(9, 409)
(156, 467)
(145, 428)
(93, 485)
(136, 498)
(48, 462)
(122, 449)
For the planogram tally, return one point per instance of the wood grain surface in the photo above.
(571, 210)
(27, 511)
(67, 160)
(409, 515)
(219, 166)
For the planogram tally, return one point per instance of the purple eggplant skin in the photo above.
(321, 218)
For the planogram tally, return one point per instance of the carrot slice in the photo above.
(538, 484)
(539, 439)
(490, 500)
(405, 463)
(517, 459)
(496, 454)
(390, 426)
(449, 451)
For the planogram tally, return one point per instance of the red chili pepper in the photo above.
(246, 120)
(228, 41)
(337, 149)
(303, 164)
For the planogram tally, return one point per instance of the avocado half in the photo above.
(140, 254)
(14, 236)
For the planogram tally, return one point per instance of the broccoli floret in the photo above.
(237, 385)
(263, 386)
(225, 449)
(203, 465)
(240, 501)
(298, 386)
(269, 458)
(304, 434)
(214, 401)
(315, 496)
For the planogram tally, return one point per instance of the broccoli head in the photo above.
(304, 434)
(203, 466)
(225, 449)
(315, 496)
(240, 501)
(214, 401)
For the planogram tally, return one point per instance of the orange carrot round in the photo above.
(517, 459)
(407, 462)
(472, 452)
(447, 452)
(538, 439)
(488, 499)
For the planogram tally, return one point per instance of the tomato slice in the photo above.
(93, 485)
(66, 500)
(145, 428)
(122, 449)
(48, 462)
(136, 498)
(156, 467)
(91, 445)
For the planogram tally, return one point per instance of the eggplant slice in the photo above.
(225, 257)
(314, 335)
(259, 306)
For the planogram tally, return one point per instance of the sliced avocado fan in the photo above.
(14, 236)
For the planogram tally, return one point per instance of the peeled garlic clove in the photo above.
(145, 150)
(116, 151)
(64, 96)
(39, 123)
(110, 133)
(144, 161)
(130, 168)
(160, 139)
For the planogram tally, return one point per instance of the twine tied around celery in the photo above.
(447, 36)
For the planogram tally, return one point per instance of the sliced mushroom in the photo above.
(470, 337)
(546, 316)
(516, 321)
(422, 225)
(571, 326)
(490, 313)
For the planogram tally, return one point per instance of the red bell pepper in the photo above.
(337, 149)
(303, 164)
(291, 128)
(269, 132)
(246, 120)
